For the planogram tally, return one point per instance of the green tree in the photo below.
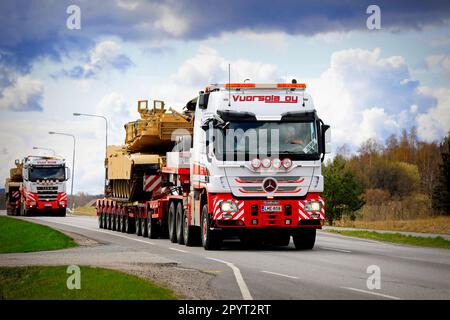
(343, 193)
(441, 192)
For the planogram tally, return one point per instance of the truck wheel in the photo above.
(171, 223)
(210, 240)
(8, 211)
(152, 228)
(190, 233)
(304, 239)
(137, 226)
(62, 212)
(179, 223)
(144, 229)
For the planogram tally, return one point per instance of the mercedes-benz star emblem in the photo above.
(270, 185)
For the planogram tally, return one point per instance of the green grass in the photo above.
(435, 242)
(23, 236)
(40, 283)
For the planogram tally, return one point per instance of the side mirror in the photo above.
(203, 101)
(327, 138)
(67, 173)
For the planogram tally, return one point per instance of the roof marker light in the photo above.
(276, 163)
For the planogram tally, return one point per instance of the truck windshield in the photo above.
(244, 140)
(47, 173)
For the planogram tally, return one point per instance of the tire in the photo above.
(122, 221)
(100, 220)
(152, 227)
(118, 225)
(8, 212)
(113, 220)
(137, 226)
(210, 240)
(62, 212)
(144, 229)
(108, 221)
(23, 211)
(179, 224)
(105, 220)
(171, 223)
(190, 233)
(128, 224)
(304, 239)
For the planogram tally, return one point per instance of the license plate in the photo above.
(47, 205)
(271, 208)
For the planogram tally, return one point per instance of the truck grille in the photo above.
(47, 193)
(261, 179)
(280, 189)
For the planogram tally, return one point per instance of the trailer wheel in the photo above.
(144, 229)
(152, 227)
(171, 223)
(118, 226)
(108, 221)
(304, 239)
(100, 220)
(128, 224)
(122, 221)
(210, 240)
(190, 233)
(179, 223)
(137, 226)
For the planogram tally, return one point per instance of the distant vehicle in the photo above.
(37, 185)
(163, 182)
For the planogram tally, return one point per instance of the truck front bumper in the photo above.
(264, 213)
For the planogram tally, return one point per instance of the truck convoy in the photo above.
(37, 185)
(241, 160)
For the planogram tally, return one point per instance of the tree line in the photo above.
(400, 168)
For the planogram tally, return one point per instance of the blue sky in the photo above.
(365, 83)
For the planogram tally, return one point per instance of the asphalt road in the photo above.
(335, 269)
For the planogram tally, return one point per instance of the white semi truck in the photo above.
(37, 185)
(252, 169)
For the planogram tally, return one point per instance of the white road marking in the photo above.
(279, 274)
(98, 230)
(334, 249)
(175, 249)
(371, 292)
(239, 279)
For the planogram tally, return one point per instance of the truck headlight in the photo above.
(313, 206)
(228, 206)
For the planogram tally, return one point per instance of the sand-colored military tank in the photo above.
(146, 142)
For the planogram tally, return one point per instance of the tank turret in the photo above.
(144, 153)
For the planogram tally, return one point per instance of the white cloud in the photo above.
(24, 94)
(362, 95)
(170, 22)
(106, 55)
(435, 123)
(439, 61)
(207, 67)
